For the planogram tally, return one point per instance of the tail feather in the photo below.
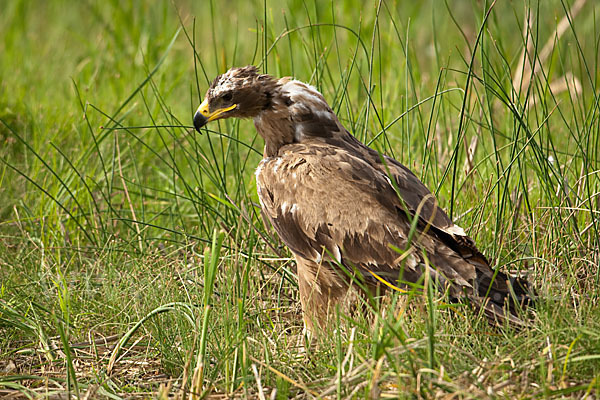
(500, 297)
(503, 298)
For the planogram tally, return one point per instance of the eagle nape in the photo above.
(334, 201)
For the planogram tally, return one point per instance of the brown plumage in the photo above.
(341, 207)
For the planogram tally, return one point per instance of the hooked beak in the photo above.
(203, 115)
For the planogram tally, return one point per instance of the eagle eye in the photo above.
(227, 96)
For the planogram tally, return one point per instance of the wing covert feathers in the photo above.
(331, 206)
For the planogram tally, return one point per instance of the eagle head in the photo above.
(239, 92)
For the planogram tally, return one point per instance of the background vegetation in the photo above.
(134, 262)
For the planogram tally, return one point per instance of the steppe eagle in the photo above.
(344, 210)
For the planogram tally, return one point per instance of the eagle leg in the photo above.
(321, 290)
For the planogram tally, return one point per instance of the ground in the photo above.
(133, 258)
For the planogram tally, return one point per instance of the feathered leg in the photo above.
(321, 289)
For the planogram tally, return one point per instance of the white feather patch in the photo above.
(226, 84)
(302, 92)
(323, 114)
(389, 181)
(411, 262)
(455, 230)
(277, 164)
(318, 259)
(261, 164)
(337, 254)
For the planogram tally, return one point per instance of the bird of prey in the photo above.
(346, 212)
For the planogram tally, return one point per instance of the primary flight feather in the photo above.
(343, 209)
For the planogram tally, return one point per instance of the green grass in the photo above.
(133, 259)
